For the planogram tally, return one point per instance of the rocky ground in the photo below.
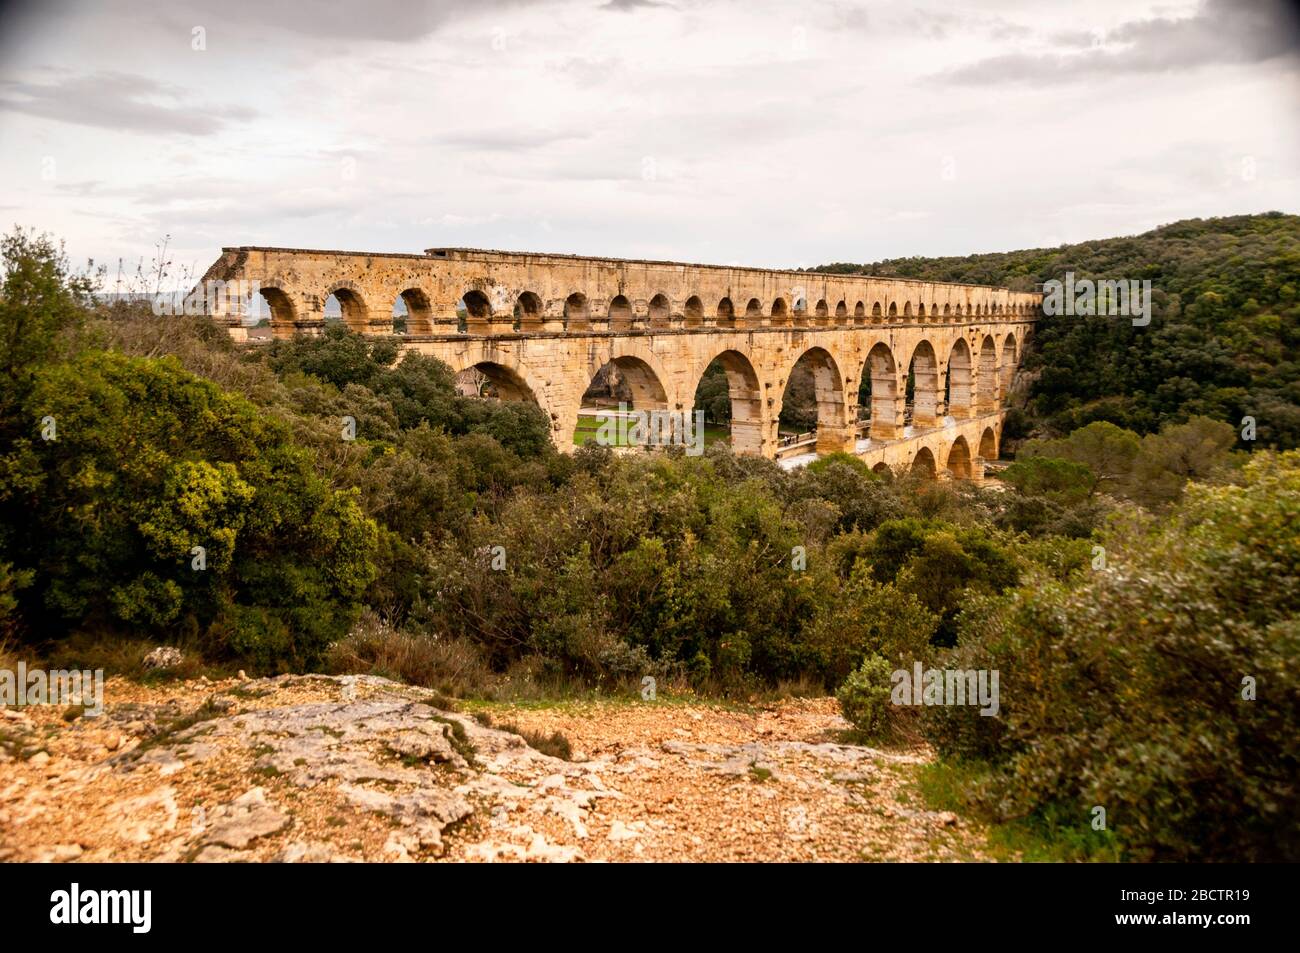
(357, 768)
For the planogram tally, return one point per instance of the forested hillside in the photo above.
(1224, 340)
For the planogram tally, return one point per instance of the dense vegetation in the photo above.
(356, 513)
(1224, 339)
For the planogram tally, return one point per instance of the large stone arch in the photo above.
(923, 365)
(506, 382)
(746, 395)
(834, 428)
(961, 395)
(881, 367)
(1009, 361)
(923, 463)
(986, 398)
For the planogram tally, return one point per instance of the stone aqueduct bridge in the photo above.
(541, 325)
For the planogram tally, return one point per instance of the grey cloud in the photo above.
(120, 101)
(1222, 31)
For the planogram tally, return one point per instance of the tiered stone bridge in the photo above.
(540, 326)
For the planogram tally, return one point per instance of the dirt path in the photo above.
(356, 768)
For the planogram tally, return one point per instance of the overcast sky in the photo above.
(753, 132)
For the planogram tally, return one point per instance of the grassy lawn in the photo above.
(589, 427)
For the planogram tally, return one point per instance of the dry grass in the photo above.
(448, 666)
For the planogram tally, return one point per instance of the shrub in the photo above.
(865, 698)
(1132, 690)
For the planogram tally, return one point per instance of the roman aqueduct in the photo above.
(540, 326)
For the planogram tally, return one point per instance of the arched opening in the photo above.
(577, 315)
(728, 393)
(726, 314)
(923, 463)
(493, 382)
(753, 313)
(619, 387)
(345, 304)
(987, 398)
(907, 310)
(812, 404)
(693, 312)
(959, 462)
(282, 314)
(959, 380)
(841, 314)
(528, 313)
(882, 468)
(474, 312)
(860, 313)
(780, 312)
(893, 309)
(412, 313)
(989, 444)
(947, 313)
(821, 313)
(800, 311)
(1008, 364)
(878, 394)
(923, 388)
(620, 314)
(661, 311)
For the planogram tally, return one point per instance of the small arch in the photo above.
(860, 313)
(923, 463)
(893, 309)
(693, 312)
(412, 313)
(284, 316)
(780, 312)
(989, 444)
(528, 312)
(726, 314)
(799, 312)
(620, 314)
(351, 307)
(882, 468)
(842, 314)
(907, 309)
(821, 312)
(577, 315)
(753, 312)
(474, 311)
(959, 462)
(660, 311)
